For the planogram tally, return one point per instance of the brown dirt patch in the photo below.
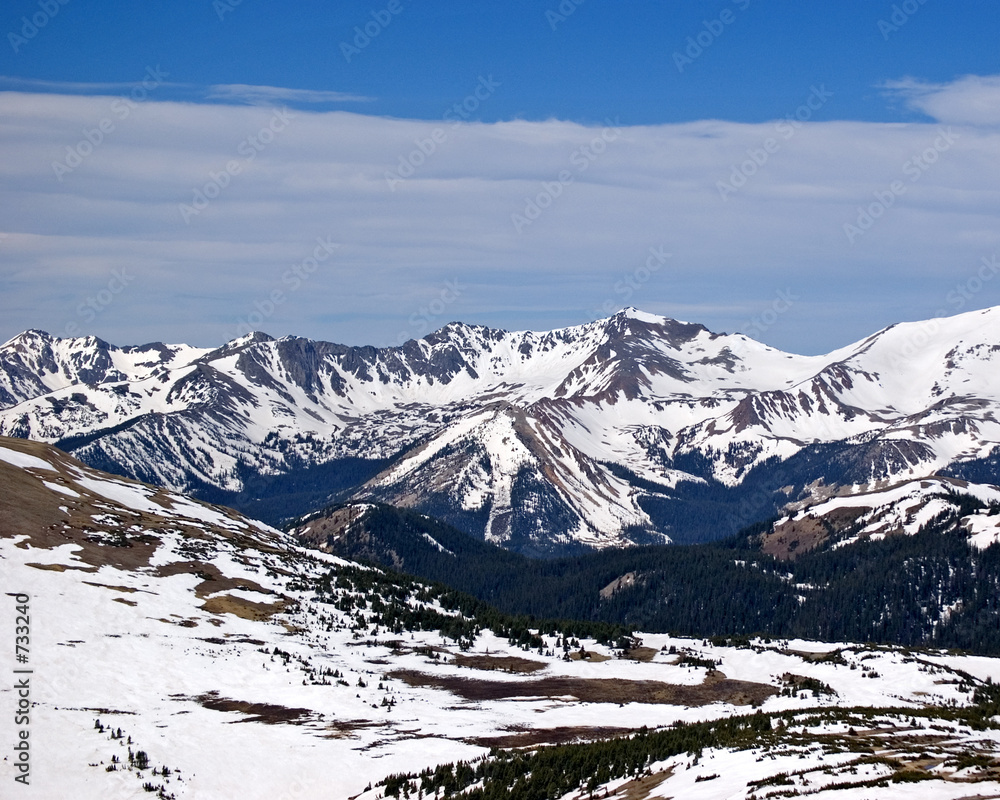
(604, 690)
(124, 601)
(624, 582)
(184, 623)
(642, 787)
(564, 735)
(321, 533)
(811, 657)
(641, 653)
(212, 579)
(128, 589)
(268, 713)
(244, 609)
(59, 567)
(588, 655)
(345, 729)
(525, 666)
(232, 640)
(792, 537)
(28, 507)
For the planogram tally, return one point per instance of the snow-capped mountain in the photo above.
(902, 508)
(589, 436)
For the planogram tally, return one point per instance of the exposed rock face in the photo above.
(543, 441)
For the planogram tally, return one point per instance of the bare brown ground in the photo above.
(588, 655)
(59, 567)
(324, 529)
(344, 729)
(603, 690)
(127, 589)
(30, 508)
(245, 609)
(524, 666)
(641, 654)
(792, 537)
(642, 787)
(564, 735)
(268, 713)
(212, 578)
(810, 656)
(231, 640)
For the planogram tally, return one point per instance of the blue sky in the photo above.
(519, 164)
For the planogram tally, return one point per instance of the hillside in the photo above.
(915, 564)
(182, 650)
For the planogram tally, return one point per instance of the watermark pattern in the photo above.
(901, 14)
(292, 279)
(580, 159)
(223, 7)
(425, 148)
(248, 149)
(22, 688)
(711, 30)
(631, 282)
(122, 108)
(364, 35)
(30, 27)
(427, 318)
(96, 303)
(763, 322)
(756, 326)
(914, 169)
(785, 130)
(562, 12)
(300, 787)
(956, 300)
(963, 292)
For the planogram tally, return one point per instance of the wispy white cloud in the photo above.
(237, 93)
(970, 100)
(266, 95)
(10, 83)
(268, 191)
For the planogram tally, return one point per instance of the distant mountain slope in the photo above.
(917, 563)
(620, 431)
(901, 509)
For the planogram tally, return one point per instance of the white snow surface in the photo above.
(635, 389)
(206, 691)
(908, 506)
(24, 460)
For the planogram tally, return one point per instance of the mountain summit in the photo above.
(635, 428)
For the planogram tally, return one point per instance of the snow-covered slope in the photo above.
(163, 632)
(568, 438)
(901, 508)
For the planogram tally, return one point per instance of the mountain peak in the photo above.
(631, 312)
(240, 343)
(30, 336)
(631, 322)
(253, 338)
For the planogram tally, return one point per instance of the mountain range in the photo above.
(635, 429)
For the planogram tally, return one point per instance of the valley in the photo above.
(628, 559)
(230, 657)
(631, 430)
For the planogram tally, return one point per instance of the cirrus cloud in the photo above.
(596, 198)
